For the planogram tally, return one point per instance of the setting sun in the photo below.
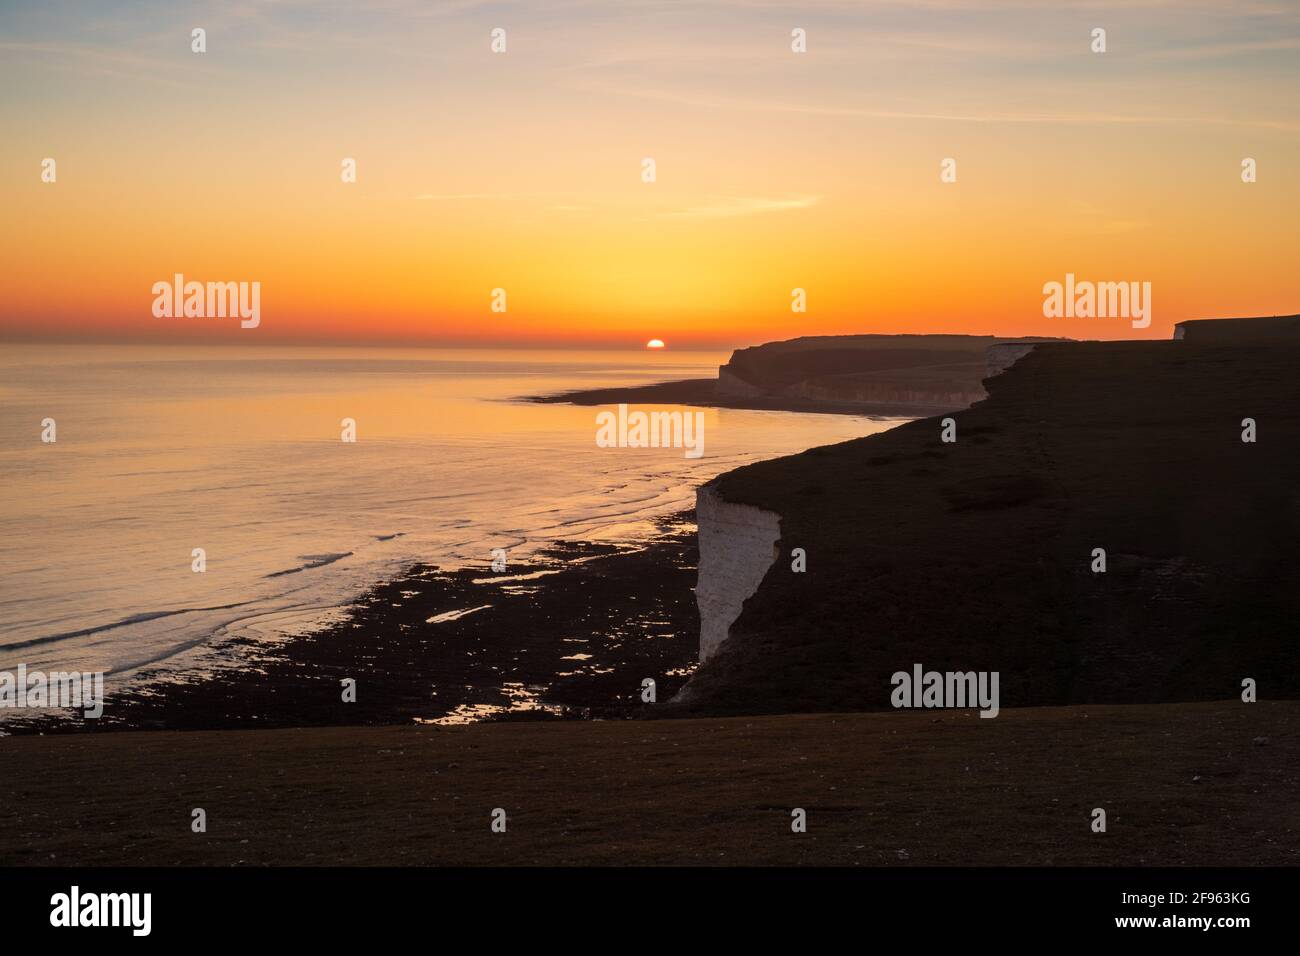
(655, 344)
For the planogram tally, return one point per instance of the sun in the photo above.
(655, 344)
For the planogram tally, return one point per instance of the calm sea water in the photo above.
(162, 450)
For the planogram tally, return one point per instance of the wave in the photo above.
(313, 561)
(125, 622)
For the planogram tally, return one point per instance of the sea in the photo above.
(232, 460)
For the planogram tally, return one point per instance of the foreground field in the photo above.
(1182, 784)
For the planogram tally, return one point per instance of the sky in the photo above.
(522, 170)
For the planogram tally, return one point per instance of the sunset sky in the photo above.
(522, 170)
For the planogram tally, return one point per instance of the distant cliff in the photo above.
(925, 373)
(888, 375)
(979, 554)
(1267, 329)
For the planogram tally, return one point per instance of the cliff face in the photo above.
(936, 394)
(731, 384)
(737, 546)
(1002, 356)
(977, 555)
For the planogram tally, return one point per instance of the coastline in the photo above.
(703, 392)
(570, 633)
(982, 553)
(873, 375)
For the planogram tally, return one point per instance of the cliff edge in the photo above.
(979, 554)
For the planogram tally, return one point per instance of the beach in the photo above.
(571, 633)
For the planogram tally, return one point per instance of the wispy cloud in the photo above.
(723, 207)
(1096, 220)
(460, 197)
(744, 104)
(99, 60)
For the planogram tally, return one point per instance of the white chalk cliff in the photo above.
(738, 543)
(1000, 357)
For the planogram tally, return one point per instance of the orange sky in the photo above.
(522, 170)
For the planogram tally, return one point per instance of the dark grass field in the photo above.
(1182, 785)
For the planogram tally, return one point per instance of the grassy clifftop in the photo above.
(1193, 784)
(976, 555)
